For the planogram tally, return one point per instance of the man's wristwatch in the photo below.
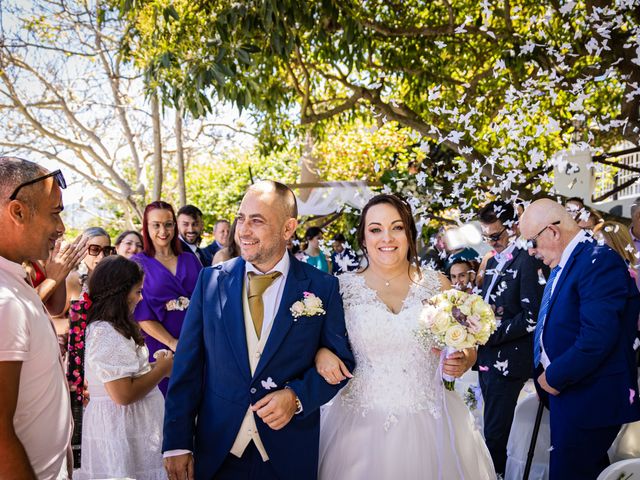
(298, 403)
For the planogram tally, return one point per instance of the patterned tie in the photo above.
(544, 308)
(257, 285)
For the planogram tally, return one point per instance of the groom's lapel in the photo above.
(232, 315)
(296, 284)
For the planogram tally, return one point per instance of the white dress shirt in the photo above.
(502, 258)
(191, 246)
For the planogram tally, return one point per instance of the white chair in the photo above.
(626, 444)
(520, 439)
(626, 469)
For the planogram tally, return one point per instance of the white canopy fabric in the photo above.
(327, 200)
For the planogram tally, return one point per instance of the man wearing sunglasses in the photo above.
(512, 288)
(35, 416)
(583, 349)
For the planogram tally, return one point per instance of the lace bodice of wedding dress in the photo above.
(394, 419)
(394, 372)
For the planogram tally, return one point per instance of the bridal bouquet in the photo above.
(454, 320)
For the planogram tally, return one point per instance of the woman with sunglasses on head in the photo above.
(129, 243)
(170, 277)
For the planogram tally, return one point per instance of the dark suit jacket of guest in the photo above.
(588, 336)
(516, 297)
(211, 250)
(211, 385)
(204, 256)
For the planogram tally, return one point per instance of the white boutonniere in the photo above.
(180, 303)
(268, 384)
(309, 306)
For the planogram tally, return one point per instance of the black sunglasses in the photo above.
(57, 175)
(94, 250)
(533, 242)
(494, 237)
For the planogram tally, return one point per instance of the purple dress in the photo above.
(159, 289)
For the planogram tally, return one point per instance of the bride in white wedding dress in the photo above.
(394, 419)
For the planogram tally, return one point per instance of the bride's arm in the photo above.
(445, 284)
(457, 363)
(330, 367)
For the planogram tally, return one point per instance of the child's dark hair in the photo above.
(109, 287)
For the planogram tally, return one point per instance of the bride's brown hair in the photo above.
(404, 210)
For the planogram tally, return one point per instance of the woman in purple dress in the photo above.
(170, 277)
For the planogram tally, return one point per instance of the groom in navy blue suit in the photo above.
(244, 396)
(583, 345)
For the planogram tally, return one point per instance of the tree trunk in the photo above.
(308, 167)
(182, 192)
(157, 148)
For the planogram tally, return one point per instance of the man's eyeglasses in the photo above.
(166, 225)
(57, 175)
(95, 250)
(533, 242)
(494, 237)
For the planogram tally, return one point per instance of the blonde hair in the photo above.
(617, 236)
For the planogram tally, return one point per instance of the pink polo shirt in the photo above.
(42, 420)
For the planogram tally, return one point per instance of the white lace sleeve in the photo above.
(350, 290)
(108, 354)
(430, 284)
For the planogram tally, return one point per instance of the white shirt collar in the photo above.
(581, 236)
(192, 247)
(13, 268)
(505, 255)
(282, 266)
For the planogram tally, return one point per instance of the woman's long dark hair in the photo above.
(232, 246)
(404, 210)
(109, 287)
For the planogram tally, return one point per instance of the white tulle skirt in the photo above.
(371, 445)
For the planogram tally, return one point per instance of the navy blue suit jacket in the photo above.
(211, 386)
(588, 336)
(204, 256)
(211, 250)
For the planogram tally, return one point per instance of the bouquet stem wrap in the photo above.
(449, 381)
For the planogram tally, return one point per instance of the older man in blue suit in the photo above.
(244, 395)
(583, 345)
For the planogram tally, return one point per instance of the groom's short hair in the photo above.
(286, 195)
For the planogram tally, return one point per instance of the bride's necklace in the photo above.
(387, 282)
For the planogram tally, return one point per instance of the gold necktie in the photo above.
(257, 285)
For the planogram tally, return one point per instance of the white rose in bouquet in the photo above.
(456, 337)
(455, 320)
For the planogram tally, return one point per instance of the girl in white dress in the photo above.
(122, 424)
(394, 419)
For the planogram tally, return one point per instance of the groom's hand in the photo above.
(179, 467)
(276, 409)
